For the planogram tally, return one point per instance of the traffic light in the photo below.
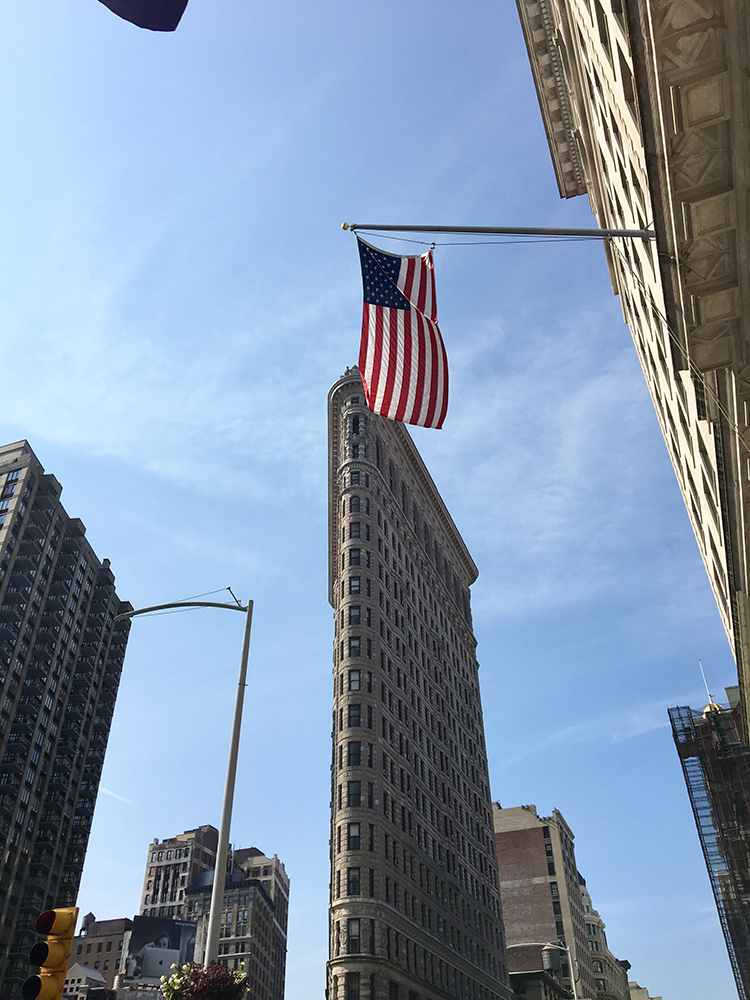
(52, 955)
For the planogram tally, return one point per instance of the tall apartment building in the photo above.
(646, 108)
(253, 931)
(716, 766)
(61, 655)
(545, 901)
(414, 907)
(174, 864)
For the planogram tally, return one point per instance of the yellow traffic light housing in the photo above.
(51, 955)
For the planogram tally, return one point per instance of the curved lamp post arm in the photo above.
(181, 604)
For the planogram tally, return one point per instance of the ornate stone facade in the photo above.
(415, 910)
(646, 107)
(651, 99)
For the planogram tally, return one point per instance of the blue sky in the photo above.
(177, 298)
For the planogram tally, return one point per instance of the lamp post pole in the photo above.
(222, 852)
(217, 890)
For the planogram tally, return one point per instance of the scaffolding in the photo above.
(717, 772)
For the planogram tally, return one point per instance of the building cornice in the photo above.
(553, 92)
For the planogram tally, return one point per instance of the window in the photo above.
(355, 647)
(352, 881)
(352, 934)
(352, 836)
(354, 505)
(354, 584)
(354, 680)
(355, 615)
(355, 715)
(354, 479)
(600, 984)
(354, 755)
(548, 850)
(351, 984)
(627, 82)
(355, 557)
(354, 529)
(596, 965)
(559, 929)
(551, 867)
(553, 889)
(556, 907)
(353, 793)
(545, 832)
(601, 22)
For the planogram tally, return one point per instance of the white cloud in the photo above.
(114, 795)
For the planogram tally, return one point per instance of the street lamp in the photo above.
(549, 944)
(222, 852)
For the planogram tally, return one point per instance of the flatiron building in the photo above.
(414, 902)
(61, 654)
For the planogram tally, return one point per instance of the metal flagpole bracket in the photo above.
(603, 234)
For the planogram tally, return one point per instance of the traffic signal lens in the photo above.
(45, 922)
(31, 988)
(38, 954)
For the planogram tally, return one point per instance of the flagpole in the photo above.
(604, 234)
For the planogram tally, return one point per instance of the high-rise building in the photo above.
(174, 864)
(61, 654)
(546, 902)
(716, 765)
(254, 917)
(414, 907)
(177, 886)
(645, 104)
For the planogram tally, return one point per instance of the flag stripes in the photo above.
(402, 359)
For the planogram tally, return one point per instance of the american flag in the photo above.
(401, 355)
